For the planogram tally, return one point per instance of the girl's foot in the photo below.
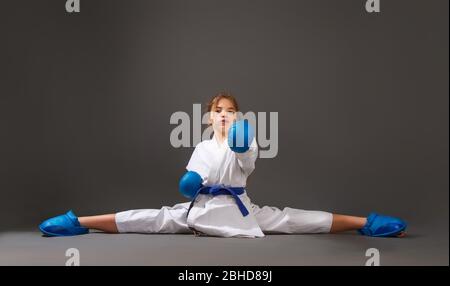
(63, 225)
(401, 234)
(383, 226)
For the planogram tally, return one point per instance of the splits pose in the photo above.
(219, 205)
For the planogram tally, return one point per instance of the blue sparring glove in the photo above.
(190, 183)
(240, 136)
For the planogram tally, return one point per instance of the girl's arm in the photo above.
(247, 159)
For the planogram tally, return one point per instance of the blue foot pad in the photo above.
(382, 226)
(63, 225)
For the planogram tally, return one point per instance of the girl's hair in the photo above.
(223, 94)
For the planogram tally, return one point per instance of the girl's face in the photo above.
(222, 116)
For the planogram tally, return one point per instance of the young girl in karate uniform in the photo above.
(220, 205)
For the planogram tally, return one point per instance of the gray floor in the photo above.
(420, 247)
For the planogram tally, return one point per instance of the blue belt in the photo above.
(216, 190)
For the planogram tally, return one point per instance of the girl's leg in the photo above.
(290, 220)
(298, 221)
(346, 223)
(106, 223)
(164, 220)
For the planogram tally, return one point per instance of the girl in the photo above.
(217, 173)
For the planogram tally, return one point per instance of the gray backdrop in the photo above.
(86, 100)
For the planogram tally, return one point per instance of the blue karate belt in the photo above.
(217, 190)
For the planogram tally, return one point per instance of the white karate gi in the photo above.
(219, 215)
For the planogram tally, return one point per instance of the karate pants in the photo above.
(267, 220)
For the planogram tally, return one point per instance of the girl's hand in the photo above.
(240, 136)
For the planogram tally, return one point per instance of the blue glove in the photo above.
(190, 183)
(240, 136)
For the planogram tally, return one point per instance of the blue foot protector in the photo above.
(63, 225)
(382, 226)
